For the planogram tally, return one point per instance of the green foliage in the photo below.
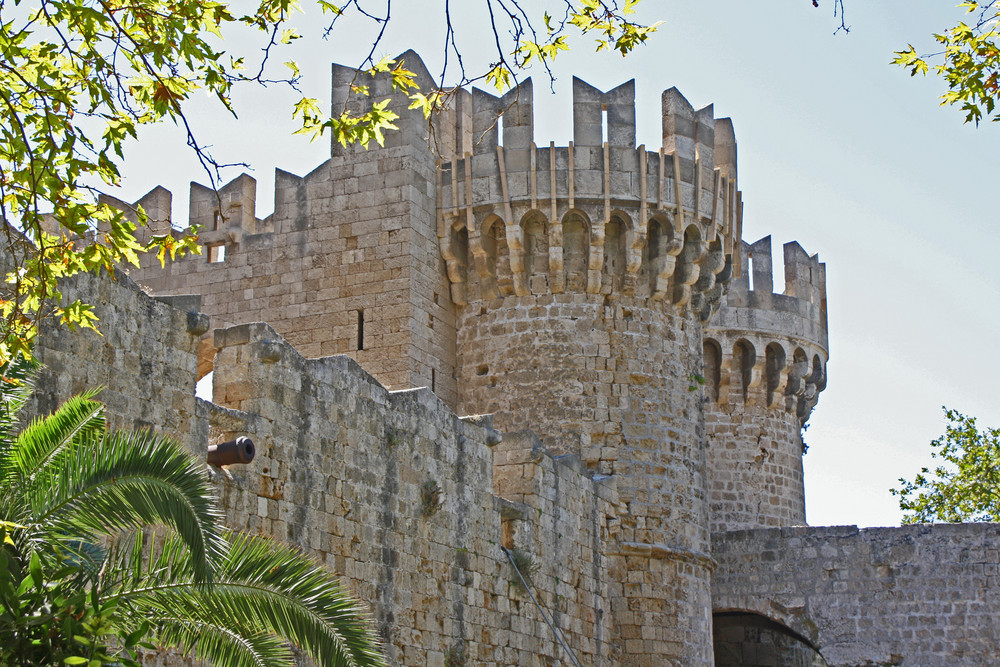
(608, 21)
(86, 580)
(969, 62)
(966, 486)
(79, 78)
(523, 568)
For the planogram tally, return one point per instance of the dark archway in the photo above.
(746, 639)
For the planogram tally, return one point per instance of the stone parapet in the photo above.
(764, 360)
(771, 349)
(601, 215)
(922, 595)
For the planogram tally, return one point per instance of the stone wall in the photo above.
(144, 359)
(922, 595)
(395, 492)
(346, 264)
(389, 489)
(764, 360)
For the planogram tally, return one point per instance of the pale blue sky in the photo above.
(837, 149)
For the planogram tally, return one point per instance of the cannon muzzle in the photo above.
(240, 450)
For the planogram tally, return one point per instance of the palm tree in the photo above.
(113, 542)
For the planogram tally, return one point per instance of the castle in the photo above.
(640, 461)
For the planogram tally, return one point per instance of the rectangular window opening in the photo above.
(361, 328)
(433, 380)
(216, 219)
(216, 254)
(604, 124)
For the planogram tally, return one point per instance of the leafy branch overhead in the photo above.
(965, 486)
(79, 79)
(969, 62)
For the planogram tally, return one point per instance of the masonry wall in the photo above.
(344, 470)
(922, 595)
(764, 361)
(346, 264)
(395, 492)
(144, 360)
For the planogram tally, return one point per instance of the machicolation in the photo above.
(646, 393)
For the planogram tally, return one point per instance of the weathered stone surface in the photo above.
(596, 300)
(764, 361)
(916, 595)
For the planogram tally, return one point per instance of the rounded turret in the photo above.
(584, 274)
(765, 359)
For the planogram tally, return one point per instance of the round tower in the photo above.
(583, 275)
(765, 358)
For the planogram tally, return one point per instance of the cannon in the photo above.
(240, 450)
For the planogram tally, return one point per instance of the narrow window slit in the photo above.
(361, 328)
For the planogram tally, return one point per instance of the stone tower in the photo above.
(765, 360)
(348, 262)
(582, 275)
(566, 290)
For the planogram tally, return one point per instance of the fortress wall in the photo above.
(347, 263)
(918, 595)
(344, 470)
(144, 360)
(764, 364)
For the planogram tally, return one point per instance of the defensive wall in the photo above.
(917, 595)
(595, 299)
(342, 470)
(391, 490)
(764, 358)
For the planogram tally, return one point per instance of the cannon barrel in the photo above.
(240, 450)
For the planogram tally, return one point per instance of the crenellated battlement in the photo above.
(600, 215)
(582, 290)
(764, 359)
(771, 349)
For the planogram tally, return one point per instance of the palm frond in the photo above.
(147, 559)
(130, 480)
(17, 383)
(78, 421)
(271, 583)
(210, 638)
(262, 587)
